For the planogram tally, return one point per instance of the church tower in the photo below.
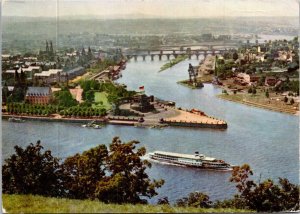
(47, 47)
(51, 48)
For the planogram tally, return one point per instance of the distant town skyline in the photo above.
(150, 8)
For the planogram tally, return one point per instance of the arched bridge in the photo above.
(168, 53)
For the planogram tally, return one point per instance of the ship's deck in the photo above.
(188, 156)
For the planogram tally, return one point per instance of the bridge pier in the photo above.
(135, 57)
(190, 56)
(174, 51)
(168, 56)
(197, 55)
(160, 55)
(144, 57)
(152, 57)
(161, 52)
(175, 55)
(148, 52)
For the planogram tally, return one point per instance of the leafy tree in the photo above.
(90, 54)
(195, 199)
(240, 176)
(5, 93)
(285, 99)
(89, 96)
(163, 200)
(23, 83)
(265, 196)
(262, 79)
(64, 98)
(224, 91)
(94, 85)
(254, 91)
(128, 181)
(235, 202)
(289, 194)
(250, 90)
(292, 101)
(116, 176)
(31, 171)
(235, 56)
(81, 172)
(226, 55)
(267, 94)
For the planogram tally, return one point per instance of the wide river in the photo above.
(266, 140)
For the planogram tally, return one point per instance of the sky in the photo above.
(150, 8)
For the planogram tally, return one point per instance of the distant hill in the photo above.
(29, 33)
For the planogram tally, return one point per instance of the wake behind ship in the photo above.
(197, 160)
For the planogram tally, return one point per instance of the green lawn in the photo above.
(102, 97)
(39, 204)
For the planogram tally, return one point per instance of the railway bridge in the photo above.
(171, 52)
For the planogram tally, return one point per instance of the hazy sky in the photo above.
(156, 8)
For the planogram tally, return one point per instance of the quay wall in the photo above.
(117, 121)
(51, 119)
(123, 123)
(197, 125)
(112, 121)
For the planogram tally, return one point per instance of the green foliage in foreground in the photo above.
(266, 196)
(29, 171)
(39, 204)
(117, 175)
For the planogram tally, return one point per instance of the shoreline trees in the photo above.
(118, 175)
(114, 175)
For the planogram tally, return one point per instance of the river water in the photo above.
(266, 140)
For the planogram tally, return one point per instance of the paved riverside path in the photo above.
(188, 117)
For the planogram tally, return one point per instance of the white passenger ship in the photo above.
(197, 160)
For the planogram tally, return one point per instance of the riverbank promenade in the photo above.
(164, 116)
(188, 117)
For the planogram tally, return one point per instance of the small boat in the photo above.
(188, 160)
(95, 126)
(16, 120)
(156, 127)
(92, 124)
